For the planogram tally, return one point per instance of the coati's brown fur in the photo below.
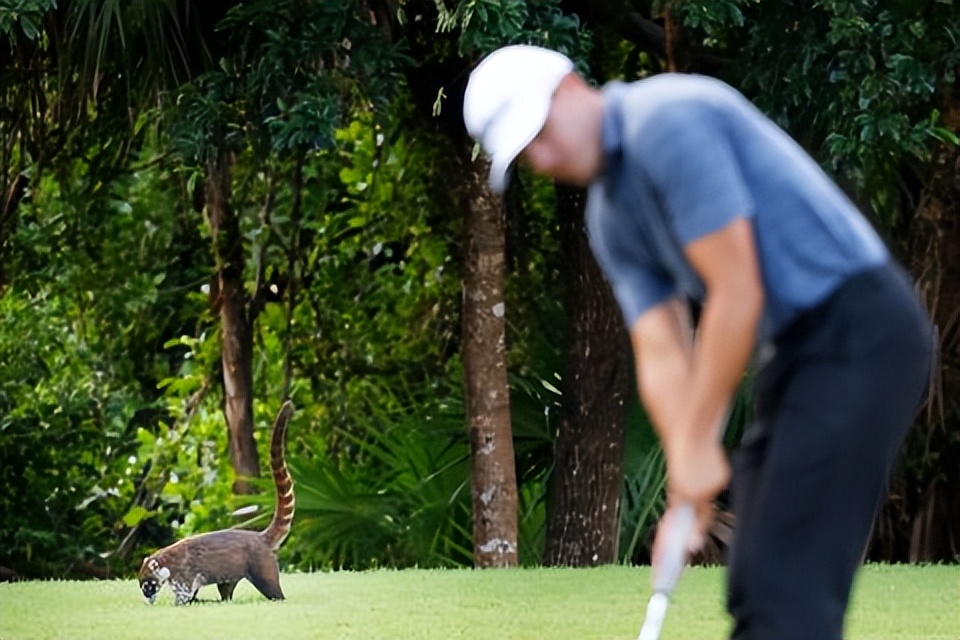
(225, 557)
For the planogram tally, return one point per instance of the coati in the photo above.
(225, 557)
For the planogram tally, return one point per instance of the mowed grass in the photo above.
(608, 602)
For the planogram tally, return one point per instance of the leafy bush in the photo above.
(859, 83)
(65, 415)
(76, 365)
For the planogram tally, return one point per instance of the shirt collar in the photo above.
(611, 130)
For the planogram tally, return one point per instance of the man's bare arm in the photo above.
(726, 260)
(663, 352)
(687, 389)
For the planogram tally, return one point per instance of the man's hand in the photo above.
(695, 479)
(696, 473)
(694, 476)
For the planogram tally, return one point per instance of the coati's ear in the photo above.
(164, 573)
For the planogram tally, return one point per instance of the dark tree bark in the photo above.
(494, 483)
(493, 473)
(236, 329)
(584, 491)
(920, 520)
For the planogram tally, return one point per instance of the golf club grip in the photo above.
(667, 574)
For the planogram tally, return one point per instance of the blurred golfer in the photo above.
(695, 195)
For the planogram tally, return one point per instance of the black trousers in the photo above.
(832, 408)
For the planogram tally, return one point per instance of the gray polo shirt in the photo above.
(686, 155)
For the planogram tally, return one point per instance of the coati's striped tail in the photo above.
(283, 516)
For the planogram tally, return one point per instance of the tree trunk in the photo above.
(494, 483)
(584, 492)
(235, 325)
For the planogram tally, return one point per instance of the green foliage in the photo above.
(276, 102)
(184, 475)
(711, 16)
(25, 14)
(858, 82)
(375, 338)
(77, 361)
(386, 234)
(383, 475)
(399, 495)
(294, 68)
(112, 435)
(65, 412)
(485, 25)
(642, 503)
(395, 489)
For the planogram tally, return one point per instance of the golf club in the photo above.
(665, 576)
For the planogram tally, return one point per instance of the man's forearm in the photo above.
(722, 350)
(663, 351)
(727, 262)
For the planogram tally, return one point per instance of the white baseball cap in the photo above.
(507, 100)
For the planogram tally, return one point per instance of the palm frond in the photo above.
(643, 502)
(399, 499)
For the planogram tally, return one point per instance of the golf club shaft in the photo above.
(674, 555)
(667, 573)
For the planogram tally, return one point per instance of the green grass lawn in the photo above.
(608, 602)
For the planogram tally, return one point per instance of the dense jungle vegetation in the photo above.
(206, 207)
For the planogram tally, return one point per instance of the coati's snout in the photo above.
(150, 587)
(152, 576)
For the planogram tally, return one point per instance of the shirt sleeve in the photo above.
(694, 170)
(637, 285)
(638, 291)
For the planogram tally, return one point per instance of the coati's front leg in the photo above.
(226, 589)
(185, 594)
(264, 574)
